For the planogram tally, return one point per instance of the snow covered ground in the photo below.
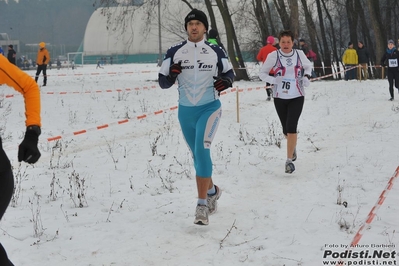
(118, 186)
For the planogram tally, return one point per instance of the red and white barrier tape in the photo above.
(101, 73)
(374, 210)
(371, 214)
(83, 131)
(87, 92)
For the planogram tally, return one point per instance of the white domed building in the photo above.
(135, 39)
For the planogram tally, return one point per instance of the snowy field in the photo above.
(115, 184)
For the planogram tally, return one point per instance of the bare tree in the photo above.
(233, 46)
(312, 34)
(375, 19)
(365, 34)
(333, 42)
(274, 28)
(294, 17)
(324, 42)
(352, 15)
(282, 10)
(260, 15)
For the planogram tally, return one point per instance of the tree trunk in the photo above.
(324, 44)
(270, 19)
(352, 15)
(294, 17)
(260, 16)
(366, 36)
(335, 53)
(282, 10)
(233, 47)
(212, 19)
(378, 28)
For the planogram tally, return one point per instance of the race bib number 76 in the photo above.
(286, 84)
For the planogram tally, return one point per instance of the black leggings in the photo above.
(269, 91)
(393, 77)
(41, 68)
(6, 190)
(289, 111)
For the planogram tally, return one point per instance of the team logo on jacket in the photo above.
(204, 51)
(289, 62)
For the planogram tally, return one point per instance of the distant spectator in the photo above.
(350, 59)
(25, 62)
(99, 64)
(363, 55)
(43, 58)
(11, 54)
(308, 52)
(1, 50)
(296, 46)
(303, 46)
(58, 63)
(276, 43)
(20, 62)
(262, 55)
(213, 37)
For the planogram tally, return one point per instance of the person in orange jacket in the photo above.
(262, 55)
(43, 58)
(28, 152)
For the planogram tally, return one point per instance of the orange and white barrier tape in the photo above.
(88, 92)
(101, 73)
(83, 131)
(371, 214)
(241, 90)
(374, 210)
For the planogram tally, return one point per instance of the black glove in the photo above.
(28, 151)
(175, 70)
(222, 84)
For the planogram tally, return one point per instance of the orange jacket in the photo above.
(12, 76)
(43, 56)
(263, 52)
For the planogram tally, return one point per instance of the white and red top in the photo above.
(289, 70)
